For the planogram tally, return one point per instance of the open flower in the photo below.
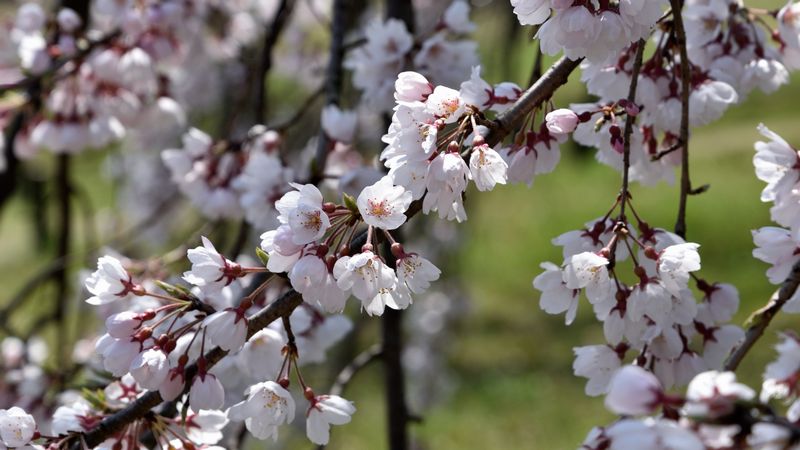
(210, 269)
(674, 264)
(301, 209)
(110, 282)
(327, 410)
(633, 391)
(267, 406)
(16, 427)
(383, 204)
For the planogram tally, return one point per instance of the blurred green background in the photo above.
(511, 380)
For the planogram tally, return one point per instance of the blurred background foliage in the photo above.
(510, 383)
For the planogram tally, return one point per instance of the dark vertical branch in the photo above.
(394, 380)
(64, 192)
(403, 10)
(333, 80)
(629, 122)
(8, 178)
(392, 321)
(686, 184)
(270, 40)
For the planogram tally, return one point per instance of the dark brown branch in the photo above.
(686, 183)
(281, 307)
(270, 39)
(397, 416)
(629, 122)
(333, 80)
(556, 76)
(394, 379)
(64, 192)
(761, 319)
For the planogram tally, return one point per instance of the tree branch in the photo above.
(270, 39)
(556, 76)
(761, 319)
(281, 307)
(629, 120)
(686, 183)
(64, 192)
(333, 81)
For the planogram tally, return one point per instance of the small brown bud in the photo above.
(651, 253)
(309, 394)
(397, 250)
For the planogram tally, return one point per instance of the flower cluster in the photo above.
(656, 316)
(717, 412)
(228, 180)
(729, 56)
(443, 55)
(161, 329)
(594, 30)
(432, 131)
(778, 164)
(313, 246)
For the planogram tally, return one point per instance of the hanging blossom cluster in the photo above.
(654, 319)
(728, 46)
(444, 54)
(778, 164)
(595, 30)
(231, 179)
(717, 412)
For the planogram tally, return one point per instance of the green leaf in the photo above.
(350, 203)
(262, 255)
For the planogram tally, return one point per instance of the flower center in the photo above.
(380, 209)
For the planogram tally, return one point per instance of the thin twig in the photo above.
(359, 362)
(686, 183)
(761, 319)
(349, 371)
(333, 81)
(270, 39)
(301, 110)
(536, 73)
(629, 121)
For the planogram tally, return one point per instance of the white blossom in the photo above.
(267, 406)
(383, 205)
(327, 410)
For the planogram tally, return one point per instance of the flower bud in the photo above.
(561, 121)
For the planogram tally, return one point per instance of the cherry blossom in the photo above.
(268, 405)
(326, 410)
(383, 204)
